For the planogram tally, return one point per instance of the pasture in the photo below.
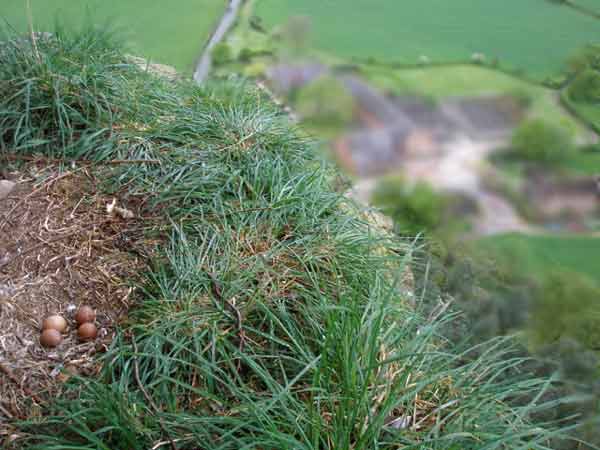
(167, 32)
(531, 35)
(539, 255)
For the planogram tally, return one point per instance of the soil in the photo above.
(59, 249)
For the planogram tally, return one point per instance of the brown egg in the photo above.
(87, 331)
(55, 322)
(85, 314)
(50, 338)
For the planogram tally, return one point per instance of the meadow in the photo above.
(531, 35)
(541, 255)
(171, 35)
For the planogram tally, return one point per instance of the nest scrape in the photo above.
(60, 248)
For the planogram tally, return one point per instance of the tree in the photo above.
(584, 58)
(326, 100)
(540, 141)
(414, 209)
(585, 88)
(245, 55)
(221, 54)
(566, 306)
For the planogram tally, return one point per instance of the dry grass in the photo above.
(59, 248)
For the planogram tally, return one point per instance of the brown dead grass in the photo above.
(60, 248)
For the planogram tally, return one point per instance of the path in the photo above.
(226, 22)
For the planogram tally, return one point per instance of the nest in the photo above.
(61, 247)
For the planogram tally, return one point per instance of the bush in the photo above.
(245, 55)
(539, 141)
(585, 88)
(413, 209)
(221, 54)
(584, 58)
(566, 306)
(255, 70)
(326, 100)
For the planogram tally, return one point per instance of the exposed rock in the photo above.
(168, 72)
(6, 188)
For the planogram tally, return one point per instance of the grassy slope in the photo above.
(272, 319)
(540, 255)
(172, 34)
(532, 35)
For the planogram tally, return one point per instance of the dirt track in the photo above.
(226, 22)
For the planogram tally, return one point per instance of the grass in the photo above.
(173, 34)
(584, 162)
(274, 316)
(542, 255)
(532, 35)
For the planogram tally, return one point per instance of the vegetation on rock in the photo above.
(274, 316)
(414, 209)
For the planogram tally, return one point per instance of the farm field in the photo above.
(539, 255)
(532, 35)
(592, 5)
(171, 35)
(472, 80)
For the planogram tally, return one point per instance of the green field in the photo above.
(532, 35)
(472, 80)
(592, 5)
(539, 255)
(584, 163)
(167, 32)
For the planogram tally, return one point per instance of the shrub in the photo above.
(539, 141)
(586, 57)
(221, 54)
(566, 306)
(255, 70)
(413, 209)
(256, 23)
(585, 88)
(326, 100)
(245, 55)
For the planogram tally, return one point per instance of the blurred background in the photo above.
(472, 124)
